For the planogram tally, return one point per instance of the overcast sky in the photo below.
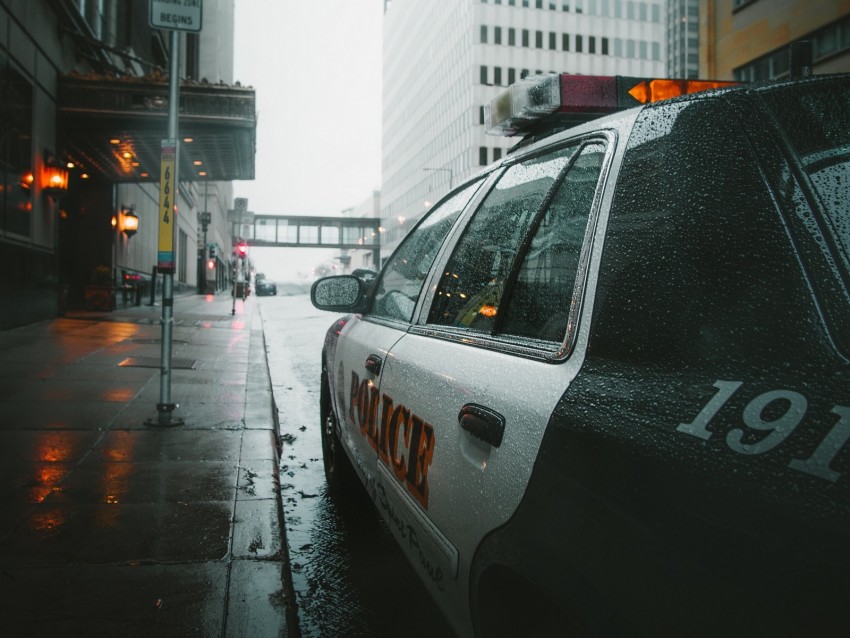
(316, 68)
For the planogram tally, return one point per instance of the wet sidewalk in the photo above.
(111, 527)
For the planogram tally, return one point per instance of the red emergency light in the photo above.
(578, 98)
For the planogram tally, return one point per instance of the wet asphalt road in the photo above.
(350, 577)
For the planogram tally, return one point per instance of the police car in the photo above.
(603, 387)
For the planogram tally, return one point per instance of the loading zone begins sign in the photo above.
(177, 15)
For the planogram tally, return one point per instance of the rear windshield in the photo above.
(816, 120)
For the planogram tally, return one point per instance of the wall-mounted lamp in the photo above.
(54, 176)
(130, 221)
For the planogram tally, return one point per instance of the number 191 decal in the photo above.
(779, 428)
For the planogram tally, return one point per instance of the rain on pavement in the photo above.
(349, 576)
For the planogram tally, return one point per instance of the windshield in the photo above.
(816, 120)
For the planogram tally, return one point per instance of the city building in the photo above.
(750, 40)
(83, 113)
(361, 259)
(444, 61)
(683, 38)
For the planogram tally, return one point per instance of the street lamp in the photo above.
(54, 176)
(130, 221)
(447, 170)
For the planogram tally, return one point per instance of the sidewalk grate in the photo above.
(153, 341)
(153, 362)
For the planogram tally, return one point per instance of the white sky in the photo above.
(316, 68)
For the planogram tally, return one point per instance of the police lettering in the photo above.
(402, 440)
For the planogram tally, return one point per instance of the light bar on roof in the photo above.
(576, 98)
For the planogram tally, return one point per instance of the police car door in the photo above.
(467, 394)
(365, 340)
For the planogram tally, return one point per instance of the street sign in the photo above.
(176, 15)
(167, 200)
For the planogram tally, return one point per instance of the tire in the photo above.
(339, 474)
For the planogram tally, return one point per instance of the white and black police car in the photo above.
(603, 388)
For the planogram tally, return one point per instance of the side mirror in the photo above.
(342, 293)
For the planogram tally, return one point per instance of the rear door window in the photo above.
(513, 271)
(816, 121)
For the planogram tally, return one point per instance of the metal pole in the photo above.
(165, 407)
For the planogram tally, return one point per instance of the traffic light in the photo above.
(242, 250)
(211, 264)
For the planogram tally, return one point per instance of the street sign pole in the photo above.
(165, 257)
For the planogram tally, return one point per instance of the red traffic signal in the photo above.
(242, 250)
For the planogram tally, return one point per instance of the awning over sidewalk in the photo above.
(114, 126)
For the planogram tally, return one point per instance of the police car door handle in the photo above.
(482, 423)
(373, 364)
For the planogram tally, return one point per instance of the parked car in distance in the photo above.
(265, 288)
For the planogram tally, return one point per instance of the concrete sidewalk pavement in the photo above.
(110, 527)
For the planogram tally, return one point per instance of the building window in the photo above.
(553, 41)
(193, 60)
(525, 37)
(523, 74)
(539, 4)
(511, 76)
(182, 252)
(497, 154)
(579, 44)
(538, 39)
(483, 78)
(604, 46)
(497, 35)
(497, 76)
(827, 41)
(481, 115)
(482, 156)
(591, 44)
(16, 132)
(483, 34)
(565, 42)
(511, 37)
(565, 5)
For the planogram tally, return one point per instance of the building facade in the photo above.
(750, 40)
(362, 258)
(83, 113)
(683, 38)
(445, 60)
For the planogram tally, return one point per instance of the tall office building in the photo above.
(683, 38)
(445, 60)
